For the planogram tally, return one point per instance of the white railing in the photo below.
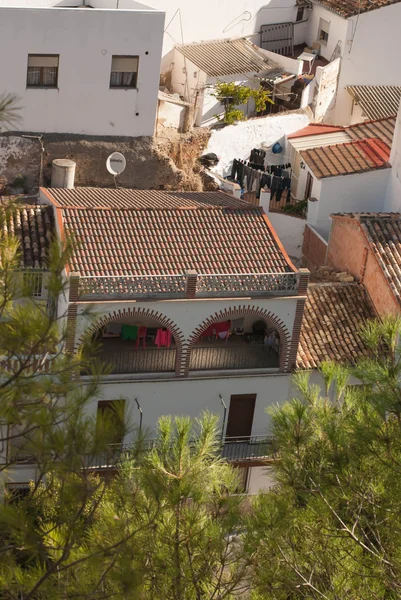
(135, 286)
(185, 286)
(244, 284)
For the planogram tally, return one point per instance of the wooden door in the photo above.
(309, 186)
(240, 416)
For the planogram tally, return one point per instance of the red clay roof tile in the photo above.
(348, 158)
(333, 315)
(148, 232)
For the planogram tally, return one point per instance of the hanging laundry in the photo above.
(129, 332)
(142, 333)
(163, 338)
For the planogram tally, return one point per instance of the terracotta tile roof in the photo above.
(350, 8)
(121, 198)
(208, 232)
(383, 232)
(376, 101)
(227, 57)
(34, 229)
(345, 159)
(315, 129)
(330, 327)
(382, 129)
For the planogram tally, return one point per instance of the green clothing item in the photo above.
(129, 332)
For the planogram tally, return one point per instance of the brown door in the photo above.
(240, 416)
(309, 186)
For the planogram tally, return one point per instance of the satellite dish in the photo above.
(116, 163)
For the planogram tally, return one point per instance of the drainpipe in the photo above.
(140, 414)
(224, 415)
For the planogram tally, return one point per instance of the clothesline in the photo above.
(276, 177)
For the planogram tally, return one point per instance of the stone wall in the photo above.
(152, 163)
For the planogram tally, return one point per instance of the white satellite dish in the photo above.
(116, 163)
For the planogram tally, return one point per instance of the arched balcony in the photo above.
(242, 341)
(136, 344)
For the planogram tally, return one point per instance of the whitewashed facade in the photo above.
(80, 69)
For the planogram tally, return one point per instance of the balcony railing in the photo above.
(229, 356)
(141, 360)
(244, 284)
(188, 286)
(235, 449)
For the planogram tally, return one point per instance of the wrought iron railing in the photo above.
(227, 357)
(141, 360)
(232, 449)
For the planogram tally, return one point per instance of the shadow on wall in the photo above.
(274, 12)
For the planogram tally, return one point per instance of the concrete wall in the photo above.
(171, 114)
(349, 251)
(85, 40)
(372, 57)
(290, 230)
(314, 249)
(361, 192)
(393, 192)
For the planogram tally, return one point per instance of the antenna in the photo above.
(116, 164)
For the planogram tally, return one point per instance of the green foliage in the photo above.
(232, 95)
(333, 528)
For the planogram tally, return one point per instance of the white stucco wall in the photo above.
(210, 20)
(189, 314)
(373, 56)
(192, 396)
(237, 141)
(393, 192)
(337, 30)
(290, 230)
(85, 40)
(361, 192)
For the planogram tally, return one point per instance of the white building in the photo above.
(393, 193)
(365, 35)
(191, 21)
(193, 70)
(88, 69)
(133, 268)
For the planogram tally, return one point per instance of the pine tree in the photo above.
(332, 529)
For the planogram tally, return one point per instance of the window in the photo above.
(309, 186)
(300, 13)
(110, 421)
(324, 28)
(33, 284)
(42, 70)
(124, 71)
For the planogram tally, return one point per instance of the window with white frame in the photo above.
(124, 71)
(33, 284)
(42, 70)
(324, 28)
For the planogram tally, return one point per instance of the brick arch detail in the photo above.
(144, 313)
(240, 311)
